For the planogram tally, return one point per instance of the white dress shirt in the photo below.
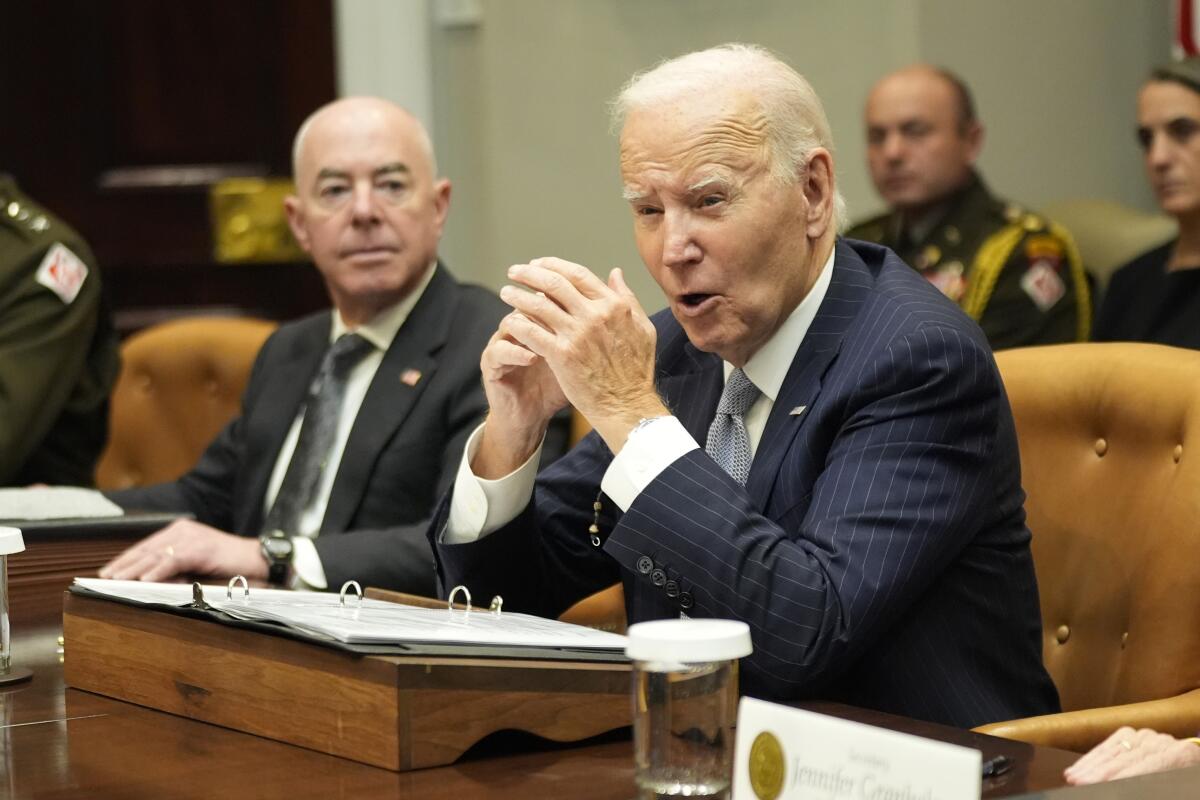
(481, 506)
(307, 570)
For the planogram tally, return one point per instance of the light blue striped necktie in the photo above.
(728, 443)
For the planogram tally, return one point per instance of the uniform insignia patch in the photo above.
(949, 280)
(1043, 284)
(62, 272)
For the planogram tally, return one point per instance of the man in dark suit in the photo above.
(857, 500)
(354, 447)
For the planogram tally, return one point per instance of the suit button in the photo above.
(644, 565)
(685, 600)
(1062, 634)
(658, 577)
(672, 589)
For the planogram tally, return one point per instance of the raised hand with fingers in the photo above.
(595, 338)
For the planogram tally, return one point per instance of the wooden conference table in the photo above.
(65, 743)
(60, 742)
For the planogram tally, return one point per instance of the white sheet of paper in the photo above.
(784, 753)
(56, 502)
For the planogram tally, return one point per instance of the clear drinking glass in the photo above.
(685, 705)
(10, 542)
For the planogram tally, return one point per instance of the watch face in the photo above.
(278, 548)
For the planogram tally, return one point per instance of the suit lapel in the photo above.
(692, 395)
(285, 387)
(847, 290)
(405, 371)
(689, 380)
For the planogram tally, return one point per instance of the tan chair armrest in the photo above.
(604, 610)
(1084, 729)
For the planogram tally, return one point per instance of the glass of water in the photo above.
(10, 542)
(685, 705)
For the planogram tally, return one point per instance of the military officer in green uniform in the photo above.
(58, 351)
(1016, 273)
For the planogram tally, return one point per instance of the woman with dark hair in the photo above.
(1156, 297)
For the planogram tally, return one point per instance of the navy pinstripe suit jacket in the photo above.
(878, 550)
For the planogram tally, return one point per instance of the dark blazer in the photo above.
(878, 551)
(402, 453)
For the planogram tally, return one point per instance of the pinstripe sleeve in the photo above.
(903, 489)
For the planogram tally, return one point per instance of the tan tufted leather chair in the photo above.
(1110, 459)
(180, 382)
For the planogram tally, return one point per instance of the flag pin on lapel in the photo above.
(797, 411)
(410, 377)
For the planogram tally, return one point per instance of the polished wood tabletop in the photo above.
(65, 743)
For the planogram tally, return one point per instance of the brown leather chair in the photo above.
(180, 383)
(1110, 459)
(604, 610)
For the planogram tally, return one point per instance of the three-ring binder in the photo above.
(496, 606)
(198, 601)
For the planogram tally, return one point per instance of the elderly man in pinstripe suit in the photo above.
(813, 440)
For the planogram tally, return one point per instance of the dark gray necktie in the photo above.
(728, 443)
(322, 410)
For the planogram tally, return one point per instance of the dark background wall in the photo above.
(120, 115)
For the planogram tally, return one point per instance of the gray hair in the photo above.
(795, 118)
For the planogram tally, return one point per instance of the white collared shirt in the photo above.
(380, 330)
(480, 506)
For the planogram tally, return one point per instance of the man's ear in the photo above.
(295, 217)
(441, 202)
(974, 137)
(819, 192)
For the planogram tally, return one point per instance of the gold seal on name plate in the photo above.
(766, 766)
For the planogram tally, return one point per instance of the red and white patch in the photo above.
(1043, 284)
(62, 272)
(949, 282)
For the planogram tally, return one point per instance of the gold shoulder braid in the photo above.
(989, 261)
(1083, 301)
(995, 252)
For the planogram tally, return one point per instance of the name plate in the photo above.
(787, 754)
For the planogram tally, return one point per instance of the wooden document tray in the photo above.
(397, 712)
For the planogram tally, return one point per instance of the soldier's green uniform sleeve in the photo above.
(1029, 287)
(44, 342)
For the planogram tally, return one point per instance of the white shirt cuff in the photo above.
(647, 452)
(307, 570)
(480, 506)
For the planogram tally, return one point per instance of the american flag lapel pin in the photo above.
(410, 377)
